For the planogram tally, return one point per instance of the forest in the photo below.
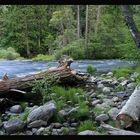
(69, 70)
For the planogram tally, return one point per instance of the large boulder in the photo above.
(13, 126)
(44, 112)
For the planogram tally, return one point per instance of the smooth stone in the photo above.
(37, 123)
(109, 74)
(16, 109)
(95, 102)
(113, 112)
(13, 126)
(88, 132)
(102, 117)
(106, 90)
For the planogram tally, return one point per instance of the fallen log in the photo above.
(22, 84)
(130, 112)
(116, 131)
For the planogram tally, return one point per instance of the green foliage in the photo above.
(75, 49)
(91, 69)
(23, 105)
(24, 115)
(65, 131)
(41, 57)
(43, 88)
(9, 54)
(67, 94)
(122, 71)
(87, 125)
(82, 111)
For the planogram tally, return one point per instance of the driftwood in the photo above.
(131, 110)
(23, 84)
(116, 131)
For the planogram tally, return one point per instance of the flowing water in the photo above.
(18, 68)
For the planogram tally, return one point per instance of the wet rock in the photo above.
(13, 126)
(40, 131)
(44, 112)
(16, 109)
(113, 112)
(102, 117)
(106, 90)
(95, 102)
(88, 132)
(37, 123)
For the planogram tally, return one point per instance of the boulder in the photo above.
(44, 112)
(37, 123)
(16, 109)
(13, 126)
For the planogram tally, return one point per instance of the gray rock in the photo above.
(102, 117)
(135, 75)
(95, 102)
(13, 126)
(57, 125)
(44, 112)
(29, 132)
(131, 85)
(88, 132)
(65, 124)
(37, 123)
(74, 124)
(106, 90)
(123, 103)
(34, 130)
(93, 95)
(120, 79)
(40, 131)
(108, 102)
(109, 74)
(72, 131)
(100, 86)
(57, 131)
(16, 109)
(102, 106)
(113, 112)
(115, 82)
(2, 133)
(62, 113)
(115, 99)
(123, 83)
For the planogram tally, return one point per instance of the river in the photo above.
(18, 68)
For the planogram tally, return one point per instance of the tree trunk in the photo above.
(86, 29)
(128, 16)
(27, 41)
(78, 22)
(117, 131)
(97, 18)
(18, 85)
(131, 110)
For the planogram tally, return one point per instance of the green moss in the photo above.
(91, 69)
(87, 125)
(65, 131)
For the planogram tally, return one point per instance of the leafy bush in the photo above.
(9, 54)
(43, 88)
(91, 69)
(75, 50)
(42, 57)
(86, 125)
(122, 71)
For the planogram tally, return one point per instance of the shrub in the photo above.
(75, 50)
(9, 54)
(41, 57)
(91, 69)
(122, 71)
(86, 125)
(43, 88)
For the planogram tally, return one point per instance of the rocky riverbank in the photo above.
(103, 99)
